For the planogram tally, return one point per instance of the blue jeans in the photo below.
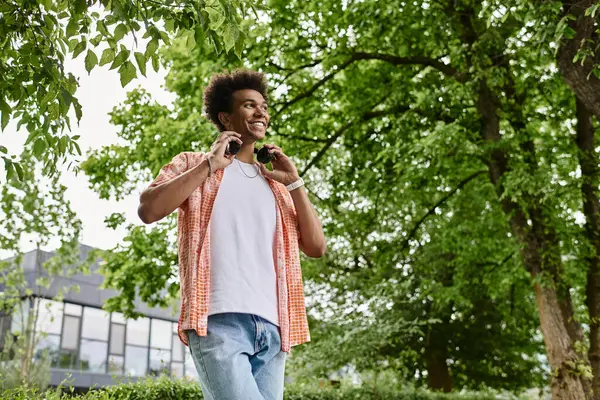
(240, 358)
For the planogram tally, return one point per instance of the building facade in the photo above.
(92, 347)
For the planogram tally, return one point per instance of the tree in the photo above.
(33, 210)
(439, 145)
(38, 35)
(579, 62)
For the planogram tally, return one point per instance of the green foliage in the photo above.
(37, 37)
(33, 209)
(168, 389)
(380, 106)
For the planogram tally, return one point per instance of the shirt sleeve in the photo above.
(178, 165)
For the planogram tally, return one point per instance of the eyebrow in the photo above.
(253, 101)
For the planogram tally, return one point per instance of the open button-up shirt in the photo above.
(193, 228)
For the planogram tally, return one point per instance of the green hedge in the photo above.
(166, 389)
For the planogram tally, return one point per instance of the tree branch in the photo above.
(439, 203)
(365, 117)
(414, 60)
(303, 138)
(317, 85)
(395, 60)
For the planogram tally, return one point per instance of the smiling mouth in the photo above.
(258, 123)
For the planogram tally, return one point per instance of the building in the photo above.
(96, 348)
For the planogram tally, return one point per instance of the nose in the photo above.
(259, 112)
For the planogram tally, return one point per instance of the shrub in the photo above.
(166, 389)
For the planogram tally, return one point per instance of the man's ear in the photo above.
(224, 119)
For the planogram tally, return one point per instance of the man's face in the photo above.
(249, 116)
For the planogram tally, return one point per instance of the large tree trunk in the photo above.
(536, 240)
(577, 75)
(591, 209)
(436, 354)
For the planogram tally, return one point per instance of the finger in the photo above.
(264, 171)
(227, 134)
(273, 147)
(278, 153)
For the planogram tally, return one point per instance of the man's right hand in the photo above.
(218, 158)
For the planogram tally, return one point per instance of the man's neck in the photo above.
(246, 153)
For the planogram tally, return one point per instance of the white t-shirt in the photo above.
(242, 229)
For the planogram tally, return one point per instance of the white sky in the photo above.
(98, 93)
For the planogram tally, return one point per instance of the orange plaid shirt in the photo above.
(193, 226)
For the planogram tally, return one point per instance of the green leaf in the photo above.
(9, 169)
(229, 38)
(72, 44)
(120, 31)
(62, 144)
(596, 72)
(101, 27)
(49, 21)
(72, 27)
(108, 55)
(3, 149)
(80, 48)
(91, 60)
(19, 170)
(96, 41)
(216, 43)
(155, 63)
(151, 47)
(77, 148)
(120, 59)
(239, 44)
(77, 106)
(190, 41)
(141, 60)
(127, 72)
(165, 38)
(199, 35)
(5, 110)
(39, 147)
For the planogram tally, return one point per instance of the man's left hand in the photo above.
(284, 170)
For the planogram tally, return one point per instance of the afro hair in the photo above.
(218, 95)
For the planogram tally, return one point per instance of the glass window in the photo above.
(178, 349)
(161, 334)
(67, 359)
(19, 317)
(118, 317)
(117, 339)
(136, 360)
(48, 346)
(70, 333)
(190, 368)
(115, 364)
(138, 331)
(159, 361)
(177, 369)
(72, 309)
(49, 318)
(95, 324)
(92, 355)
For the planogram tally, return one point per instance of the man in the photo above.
(240, 229)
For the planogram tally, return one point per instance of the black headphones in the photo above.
(263, 155)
